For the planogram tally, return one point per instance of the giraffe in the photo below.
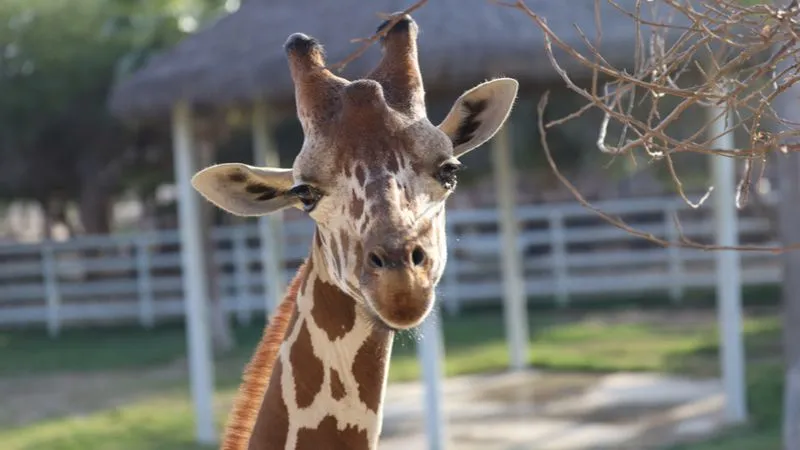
(374, 175)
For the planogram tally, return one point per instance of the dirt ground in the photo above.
(500, 406)
(28, 399)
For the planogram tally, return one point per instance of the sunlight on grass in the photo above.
(156, 423)
(584, 346)
(475, 343)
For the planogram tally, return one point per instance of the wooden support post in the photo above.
(729, 278)
(515, 304)
(195, 288)
(50, 275)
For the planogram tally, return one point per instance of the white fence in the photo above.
(567, 251)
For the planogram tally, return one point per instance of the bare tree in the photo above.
(688, 53)
(736, 55)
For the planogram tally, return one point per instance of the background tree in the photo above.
(58, 60)
(58, 143)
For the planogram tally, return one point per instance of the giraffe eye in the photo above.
(308, 196)
(446, 174)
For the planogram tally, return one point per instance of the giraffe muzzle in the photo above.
(398, 284)
(379, 258)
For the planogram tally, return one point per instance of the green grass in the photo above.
(565, 341)
(475, 342)
(32, 351)
(748, 439)
(156, 424)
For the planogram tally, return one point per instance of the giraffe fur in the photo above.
(374, 174)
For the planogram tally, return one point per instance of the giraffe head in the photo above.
(373, 173)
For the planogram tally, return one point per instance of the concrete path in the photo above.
(548, 411)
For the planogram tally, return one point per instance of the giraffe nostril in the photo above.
(375, 260)
(418, 256)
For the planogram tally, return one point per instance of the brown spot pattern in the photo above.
(337, 387)
(356, 206)
(359, 266)
(309, 373)
(392, 163)
(372, 189)
(368, 368)
(364, 225)
(248, 405)
(272, 426)
(333, 311)
(237, 177)
(328, 436)
(402, 159)
(361, 176)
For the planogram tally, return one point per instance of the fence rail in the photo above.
(567, 251)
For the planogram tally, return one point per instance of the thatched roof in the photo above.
(240, 57)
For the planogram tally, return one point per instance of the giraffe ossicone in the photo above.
(374, 174)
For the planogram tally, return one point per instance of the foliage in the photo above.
(58, 60)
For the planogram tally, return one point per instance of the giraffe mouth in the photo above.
(401, 309)
(377, 322)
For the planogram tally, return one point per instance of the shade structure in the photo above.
(240, 57)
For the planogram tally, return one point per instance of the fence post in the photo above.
(452, 304)
(676, 288)
(50, 276)
(144, 281)
(243, 309)
(430, 351)
(558, 252)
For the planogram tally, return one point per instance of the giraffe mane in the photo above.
(258, 371)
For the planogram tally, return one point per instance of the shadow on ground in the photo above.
(89, 386)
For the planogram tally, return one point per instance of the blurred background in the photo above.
(559, 330)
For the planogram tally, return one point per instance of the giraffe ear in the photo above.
(479, 113)
(246, 190)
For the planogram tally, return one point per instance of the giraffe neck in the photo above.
(328, 382)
